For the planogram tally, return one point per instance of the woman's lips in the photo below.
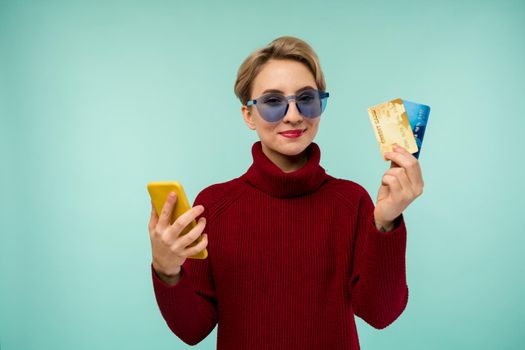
(292, 133)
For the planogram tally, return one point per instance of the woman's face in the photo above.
(288, 77)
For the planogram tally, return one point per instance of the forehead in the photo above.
(287, 76)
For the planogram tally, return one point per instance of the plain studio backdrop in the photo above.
(99, 97)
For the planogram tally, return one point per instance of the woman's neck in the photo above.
(286, 163)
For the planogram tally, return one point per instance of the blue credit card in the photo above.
(418, 117)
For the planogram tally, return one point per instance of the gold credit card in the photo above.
(391, 125)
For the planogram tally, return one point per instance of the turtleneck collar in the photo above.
(268, 177)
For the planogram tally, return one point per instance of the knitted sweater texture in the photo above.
(292, 257)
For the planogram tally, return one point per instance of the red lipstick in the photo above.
(292, 133)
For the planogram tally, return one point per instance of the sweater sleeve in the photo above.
(189, 307)
(378, 281)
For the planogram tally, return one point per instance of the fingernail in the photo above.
(172, 194)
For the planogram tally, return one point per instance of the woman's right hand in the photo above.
(169, 249)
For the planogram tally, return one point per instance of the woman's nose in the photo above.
(292, 114)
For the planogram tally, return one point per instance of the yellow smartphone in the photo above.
(159, 192)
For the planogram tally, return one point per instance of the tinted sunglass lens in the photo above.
(272, 107)
(309, 104)
(271, 113)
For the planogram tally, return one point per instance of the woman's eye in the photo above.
(273, 100)
(306, 98)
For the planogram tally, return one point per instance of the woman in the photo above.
(294, 253)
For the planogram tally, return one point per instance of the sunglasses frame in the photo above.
(323, 95)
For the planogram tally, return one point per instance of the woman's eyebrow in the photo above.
(280, 92)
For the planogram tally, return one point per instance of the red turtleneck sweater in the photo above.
(291, 258)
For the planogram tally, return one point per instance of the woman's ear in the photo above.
(248, 117)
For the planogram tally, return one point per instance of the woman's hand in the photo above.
(170, 250)
(400, 185)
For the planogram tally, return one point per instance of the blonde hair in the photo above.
(284, 47)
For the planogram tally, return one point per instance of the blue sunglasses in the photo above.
(273, 106)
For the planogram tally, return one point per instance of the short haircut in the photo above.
(284, 47)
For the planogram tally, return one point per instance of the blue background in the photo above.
(99, 97)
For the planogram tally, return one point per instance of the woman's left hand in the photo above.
(400, 185)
